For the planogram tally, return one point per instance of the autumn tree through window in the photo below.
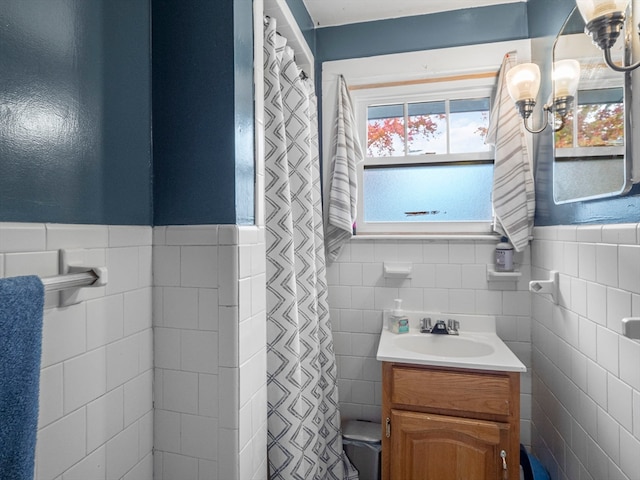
(427, 128)
(600, 115)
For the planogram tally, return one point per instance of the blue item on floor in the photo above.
(531, 467)
(21, 311)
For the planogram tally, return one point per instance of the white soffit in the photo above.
(340, 12)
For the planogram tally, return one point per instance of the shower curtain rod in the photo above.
(69, 280)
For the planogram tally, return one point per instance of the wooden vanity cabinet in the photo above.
(449, 423)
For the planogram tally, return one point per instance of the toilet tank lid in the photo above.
(362, 431)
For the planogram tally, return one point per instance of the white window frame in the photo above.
(414, 69)
(437, 91)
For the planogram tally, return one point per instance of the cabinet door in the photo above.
(436, 447)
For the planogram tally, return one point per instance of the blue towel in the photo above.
(531, 466)
(21, 306)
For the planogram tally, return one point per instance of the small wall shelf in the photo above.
(631, 327)
(493, 276)
(397, 270)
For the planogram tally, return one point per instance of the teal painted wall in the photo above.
(203, 112)
(75, 111)
(75, 116)
(304, 21)
(423, 32)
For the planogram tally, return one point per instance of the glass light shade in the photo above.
(590, 9)
(523, 82)
(566, 75)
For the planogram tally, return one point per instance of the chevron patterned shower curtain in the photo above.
(304, 437)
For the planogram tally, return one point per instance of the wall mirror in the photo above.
(592, 146)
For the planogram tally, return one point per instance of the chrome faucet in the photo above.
(451, 327)
(425, 325)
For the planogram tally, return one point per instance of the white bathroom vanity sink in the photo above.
(477, 346)
(444, 345)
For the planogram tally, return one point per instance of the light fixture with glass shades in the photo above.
(566, 76)
(604, 20)
(523, 84)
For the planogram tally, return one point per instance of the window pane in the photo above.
(427, 129)
(580, 177)
(600, 118)
(385, 131)
(428, 193)
(469, 123)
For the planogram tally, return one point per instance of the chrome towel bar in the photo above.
(69, 280)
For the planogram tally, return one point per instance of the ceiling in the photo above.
(339, 12)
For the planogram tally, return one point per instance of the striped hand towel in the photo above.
(343, 187)
(513, 194)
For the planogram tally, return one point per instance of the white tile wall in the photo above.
(447, 276)
(210, 353)
(95, 389)
(210, 332)
(586, 416)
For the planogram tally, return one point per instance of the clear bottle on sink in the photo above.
(398, 321)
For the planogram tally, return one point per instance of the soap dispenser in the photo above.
(398, 321)
(504, 256)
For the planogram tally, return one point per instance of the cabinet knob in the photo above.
(388, 427)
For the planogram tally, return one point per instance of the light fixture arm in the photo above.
(618, 68)
(525, 107)
(561, 107)
(604, 31)
(561, 126)
(546, 122)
